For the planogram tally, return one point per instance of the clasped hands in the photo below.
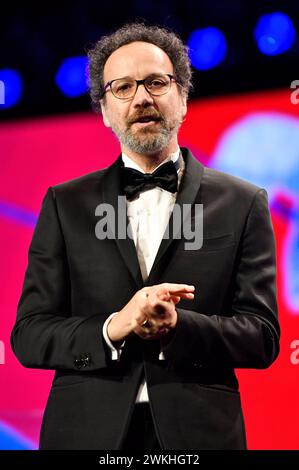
(150, 313)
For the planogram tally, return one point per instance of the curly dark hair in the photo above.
(167, 40)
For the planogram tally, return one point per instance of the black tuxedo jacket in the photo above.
(74, 281)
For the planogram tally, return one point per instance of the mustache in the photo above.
(149, 115)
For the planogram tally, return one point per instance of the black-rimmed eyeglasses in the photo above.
(126, 88)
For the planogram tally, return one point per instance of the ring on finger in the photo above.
(145, 324)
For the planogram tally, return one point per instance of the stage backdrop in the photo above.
(254, 136)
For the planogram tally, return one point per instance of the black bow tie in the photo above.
(133, 181)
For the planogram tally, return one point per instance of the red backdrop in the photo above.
(42, 152)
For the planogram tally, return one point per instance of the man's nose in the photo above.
(142, 96)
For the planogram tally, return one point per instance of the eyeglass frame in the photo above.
(139, 82)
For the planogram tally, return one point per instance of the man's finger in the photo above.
(167, 287)
(177, 287)
(183, 295)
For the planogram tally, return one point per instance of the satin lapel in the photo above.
(126, 246)
(189, 188)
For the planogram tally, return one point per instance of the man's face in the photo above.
(138, 60)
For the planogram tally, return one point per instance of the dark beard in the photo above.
(145, 140)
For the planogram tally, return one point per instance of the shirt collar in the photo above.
(128, 162)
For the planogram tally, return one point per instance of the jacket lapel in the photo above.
(111, 192)
(189, 188)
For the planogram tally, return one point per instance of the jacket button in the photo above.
(78, 363)
(82, 361)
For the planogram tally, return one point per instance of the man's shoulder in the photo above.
(225, 182)
(81, 183)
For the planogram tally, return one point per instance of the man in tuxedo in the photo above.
(143, 333)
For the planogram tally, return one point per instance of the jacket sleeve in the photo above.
(46, 335)
(246, 336)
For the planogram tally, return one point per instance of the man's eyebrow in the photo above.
(123, 78)
(119, 78)
(153, 74)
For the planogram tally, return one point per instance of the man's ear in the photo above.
(184, 104)
(105, 116)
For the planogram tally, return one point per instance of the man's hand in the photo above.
(150, 313)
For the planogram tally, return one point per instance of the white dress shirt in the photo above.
(148, 217)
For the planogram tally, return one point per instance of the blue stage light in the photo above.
(71, 76)
(207, 48)
(11, 87)
(274, 33)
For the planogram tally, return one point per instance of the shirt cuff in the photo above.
(161, 356)
(115, 352)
